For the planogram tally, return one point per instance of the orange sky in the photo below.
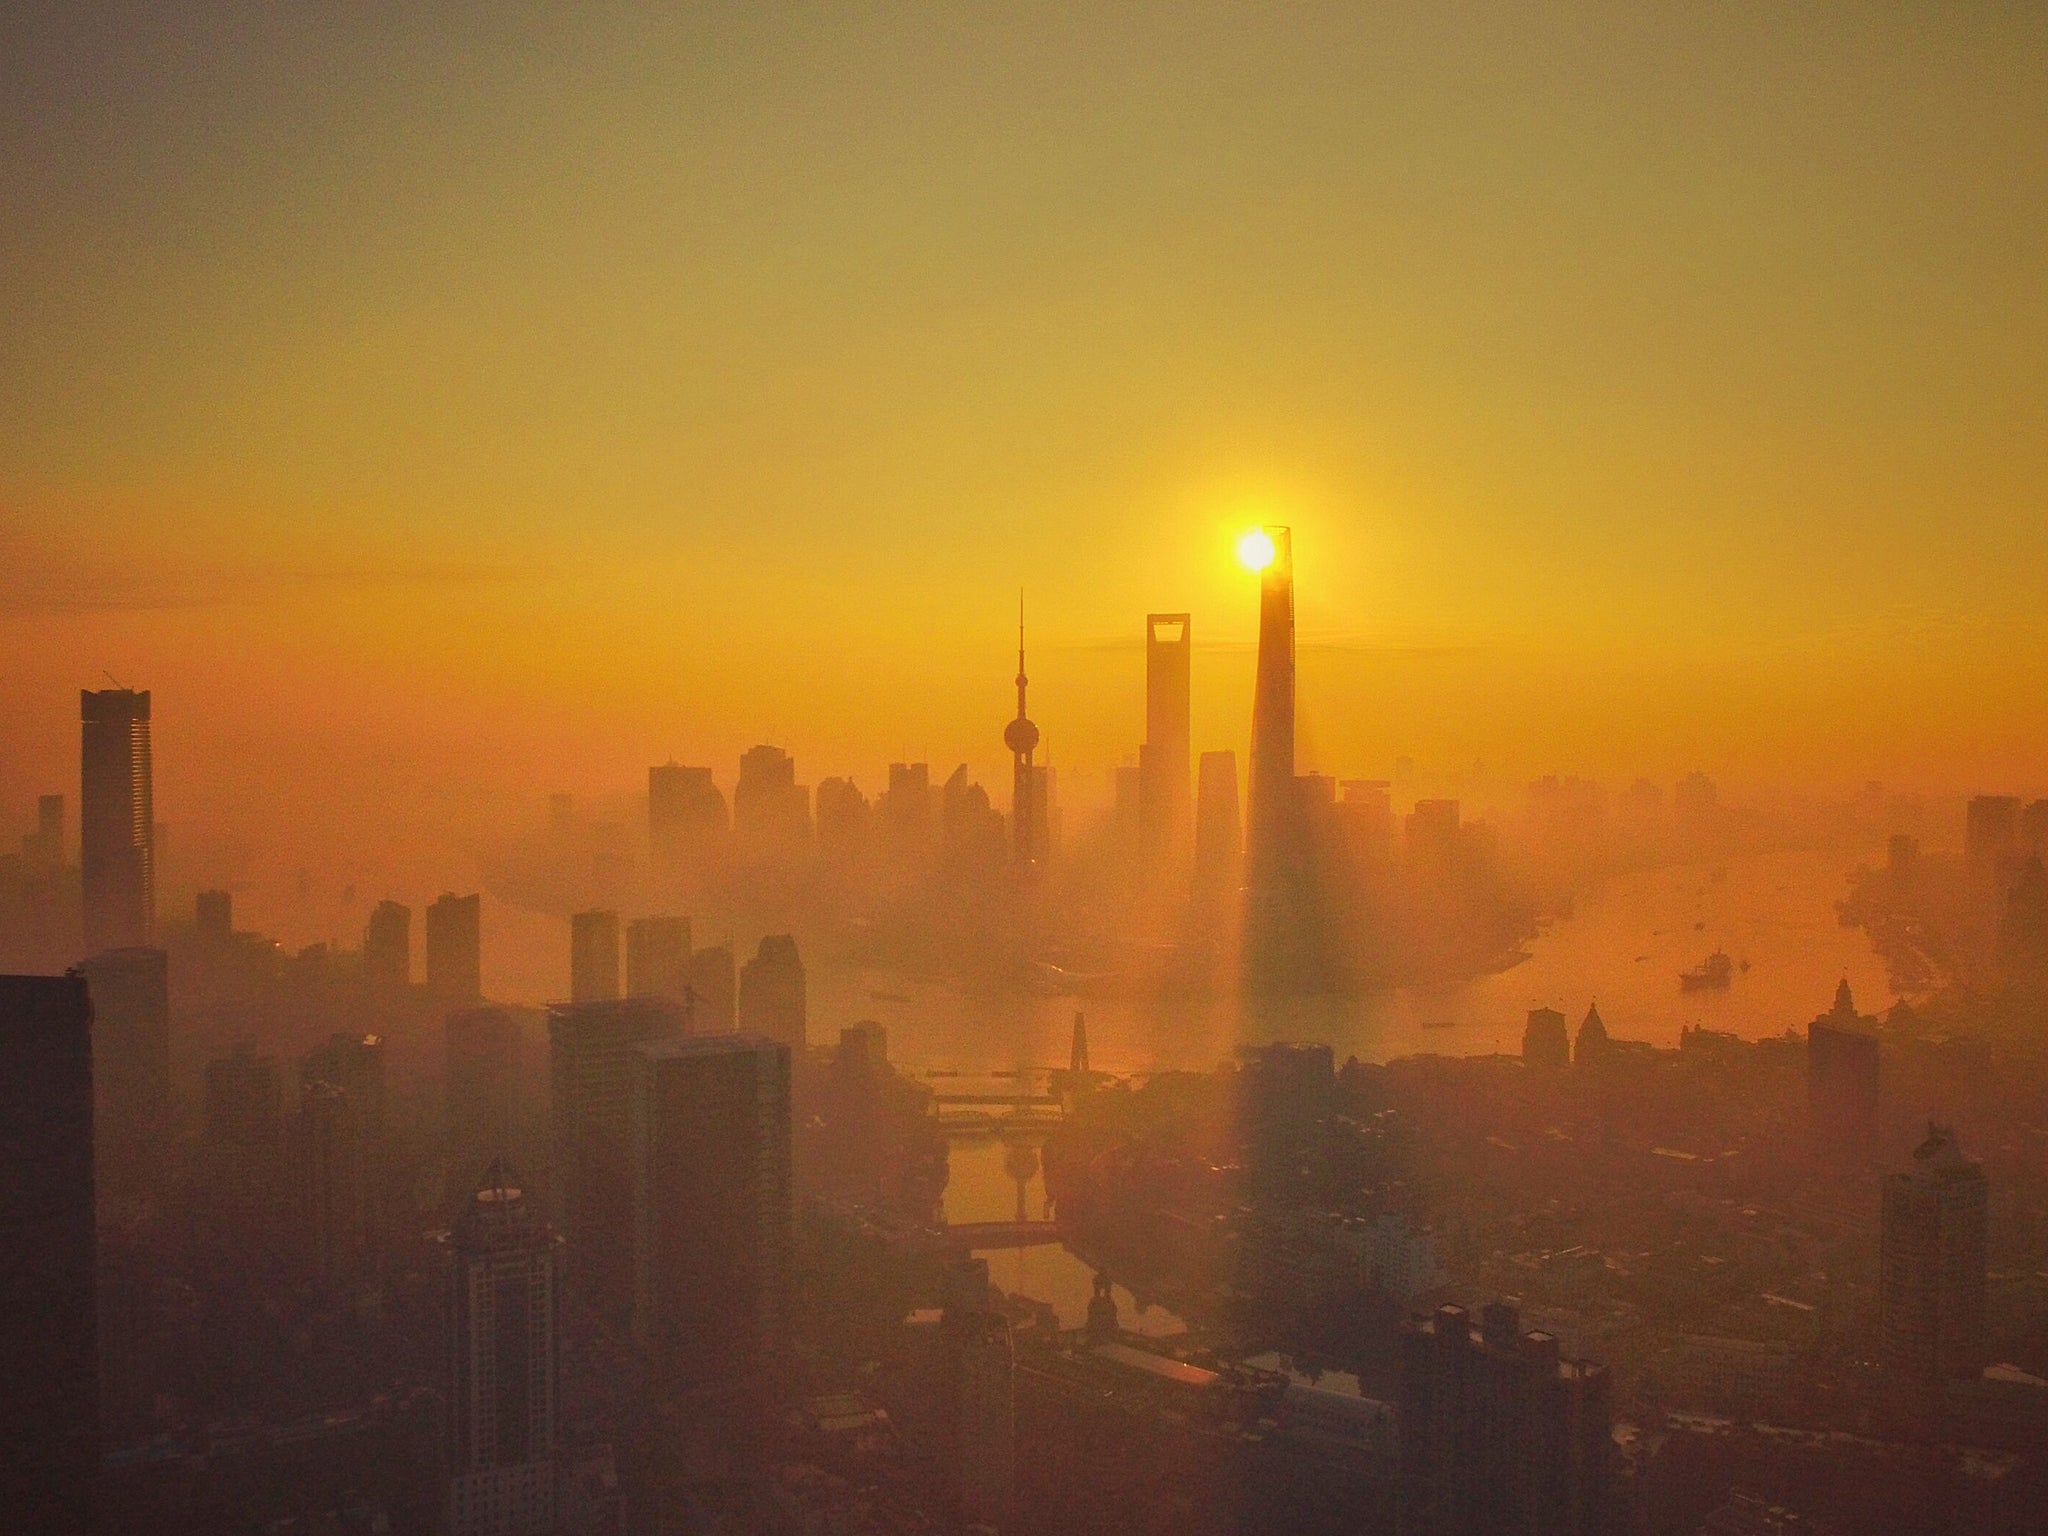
(436, 408)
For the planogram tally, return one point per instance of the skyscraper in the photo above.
(593, 957)
(1991, 828)
(658, 957)
(712, 1213)
(117, 826)
(213, 918)
(1842, 1063)
(1163, 760)
(331, 1182)
(1499, 1432)
(49, 1410)
(43, 849)
(771, 1001)
(387, 952)
(503, 1365)
(455, 972)
(1546, 1041)
(1021, 737)
(590, 1067)
(131, 1050)
(713, 991)
(771, 812)
(1931, 1265)
(686, 812)
(1277, 944)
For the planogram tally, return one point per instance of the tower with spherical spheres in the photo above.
(1021, 737)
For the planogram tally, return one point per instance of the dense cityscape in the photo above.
(328, 1241)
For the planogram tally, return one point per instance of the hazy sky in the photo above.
(504, 398)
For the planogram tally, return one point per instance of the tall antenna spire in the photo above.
(1021, 737)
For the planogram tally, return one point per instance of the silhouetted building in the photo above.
(771, 1000)
(906, 813)
(1281, 935)
(1163, 760)
(590, 1072)
(354, 1063)
(244, 1106)
(658, 957)
(686, 813)
(1021, 737)
(116, 826)
(1219, 834)
(771, 812)
(714, 991)
(485, 1050)
(1842, 1077)
(331, 1183)
(1287, 1091)
(455, 956)
(42, 850)
(1902, 856)
(503, 1366)
(49, 1406)
(131, 1066)
(1547, 1042)
(1499, 1432)
(213, 918)
(1432, 835)
(593, 957)
(1365, 816)
(1931, 1265)
(712, 1213)
(1592, 1046)
(1991, 825)
(387, 952)
(844, 821)
(978, 1385)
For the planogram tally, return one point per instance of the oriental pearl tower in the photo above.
(1021, 737)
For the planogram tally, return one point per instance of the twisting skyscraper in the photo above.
(1276, 916)
(1021, 737)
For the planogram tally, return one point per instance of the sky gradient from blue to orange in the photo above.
(503, 399)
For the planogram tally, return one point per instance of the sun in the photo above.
(1255, 550)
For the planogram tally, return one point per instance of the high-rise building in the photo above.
(331, 1182)
(1219, 834)
(387, 952)
(905, 814)
(1991, 830)
(1931, 1265)
(503, 1366)
(712, 1213)
(243, 1102)
(590, 1073)
(686, 812)
(485, 1050)
(1163, 760)
(978, 1383)
(1286, 1089)
(1499, 1432)
(1547, 1041)
(843, 820)
(593, 957)
(771, 815)
(213, 918)
(455, 968)
(355, 1064)
(1278, 941)
(1431, 841)
(658, 957)
(116, 827)
(1021, 737)
(131, 1056)
(1842, 1077)
(714, 992)
(49, 1409)
(43, 849)
(771, 1000)
(1365, 813)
